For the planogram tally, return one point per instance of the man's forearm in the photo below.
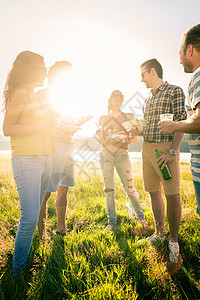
(178, 136)
(191, 125)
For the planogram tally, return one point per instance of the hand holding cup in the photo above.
(166, 124)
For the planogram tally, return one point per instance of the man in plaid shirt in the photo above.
(164, 98)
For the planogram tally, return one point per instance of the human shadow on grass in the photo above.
(17, 288)
(190, 258)
(189, 273)
(181, 273)
(135, 269)
(186, 285)
(52, 287)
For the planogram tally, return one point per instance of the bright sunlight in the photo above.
(66, 94)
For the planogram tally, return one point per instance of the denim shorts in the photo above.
(62, 167)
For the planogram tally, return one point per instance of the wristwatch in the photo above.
(172, 152)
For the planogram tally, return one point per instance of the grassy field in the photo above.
(90, 263)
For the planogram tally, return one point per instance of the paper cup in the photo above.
(168, 117)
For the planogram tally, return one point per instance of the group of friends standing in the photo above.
(42, 148)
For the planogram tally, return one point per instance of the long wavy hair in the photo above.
(21, 73)
(109, 100)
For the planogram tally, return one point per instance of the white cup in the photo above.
(168, 117)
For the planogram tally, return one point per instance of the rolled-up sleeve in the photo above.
(178, 104)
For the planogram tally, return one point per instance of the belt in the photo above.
(150, 142)
(156, 141)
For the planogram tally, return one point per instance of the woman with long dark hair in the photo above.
(29, 125)
(114, 154)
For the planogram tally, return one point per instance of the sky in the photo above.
(106, 41)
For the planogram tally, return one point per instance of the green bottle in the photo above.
(165, 171)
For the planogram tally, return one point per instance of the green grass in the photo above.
(90, 263)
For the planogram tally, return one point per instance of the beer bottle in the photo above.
(166, 174)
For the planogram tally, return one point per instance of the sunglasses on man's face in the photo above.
(142, 74)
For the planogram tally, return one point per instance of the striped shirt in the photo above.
(194, 139)
(166, 99)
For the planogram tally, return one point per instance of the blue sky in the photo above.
(106, 41)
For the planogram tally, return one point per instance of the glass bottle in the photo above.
(166, 174)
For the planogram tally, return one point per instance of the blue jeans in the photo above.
(31, 174)
(197, 193)
(120, 160)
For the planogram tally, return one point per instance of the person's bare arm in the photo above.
(11, 126)
(165, 158)
(191, 125)
(133, 138)
(101, 133)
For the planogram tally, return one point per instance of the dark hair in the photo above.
(153, 63)
(192, 37)
(58, 67)
(109, 100)
(21, 73)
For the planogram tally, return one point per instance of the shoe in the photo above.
(154, 238)
(110, 228)
(145, 225)
(174, 255)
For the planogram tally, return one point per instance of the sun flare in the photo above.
(65, 95)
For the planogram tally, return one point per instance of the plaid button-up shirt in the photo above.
(166, 99)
